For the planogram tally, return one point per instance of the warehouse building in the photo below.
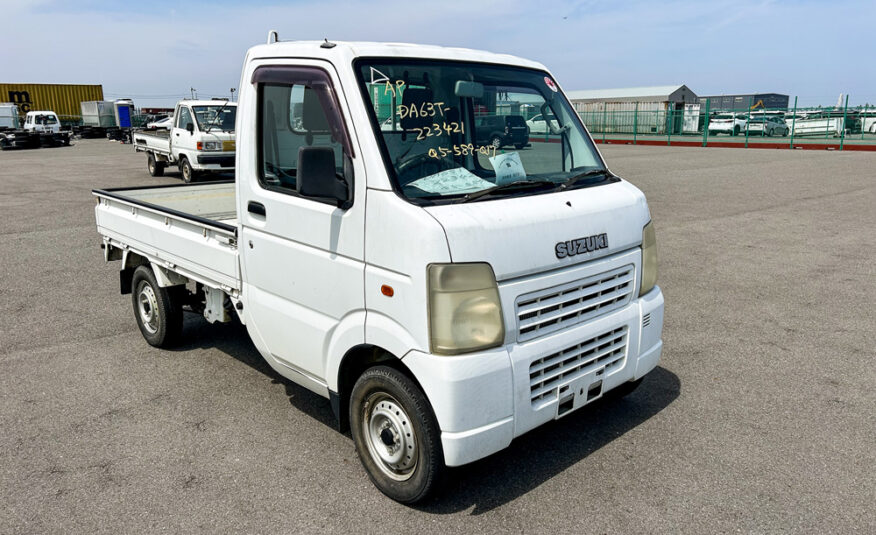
(644, 110)
(753, 101)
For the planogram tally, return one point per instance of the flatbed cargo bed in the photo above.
(190, 228)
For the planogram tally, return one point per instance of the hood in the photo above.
(521, 235)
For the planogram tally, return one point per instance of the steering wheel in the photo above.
(422, 165)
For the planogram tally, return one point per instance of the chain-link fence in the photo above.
(701, 124)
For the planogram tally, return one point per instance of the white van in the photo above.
(445, 296)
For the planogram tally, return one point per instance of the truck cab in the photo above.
(202, 135)
(42, 122)
(446, 295)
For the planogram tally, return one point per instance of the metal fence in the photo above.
(694, 124)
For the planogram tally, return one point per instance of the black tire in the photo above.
(158, 311)
(185, 168)
(736, 130)
(496, 142)
(624, 390)
(387, 399)
(155, 167)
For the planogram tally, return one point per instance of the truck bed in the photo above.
(154, 140)
(190, 229)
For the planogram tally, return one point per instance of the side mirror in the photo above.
(316, 175)
(190, 127)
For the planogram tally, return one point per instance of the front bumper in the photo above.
(216, 161)
(483, 400)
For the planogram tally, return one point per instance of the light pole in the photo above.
(232, 94)
(192, 89)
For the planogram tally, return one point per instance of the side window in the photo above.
(292, 116)
(185, 118)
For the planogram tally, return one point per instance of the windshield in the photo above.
(450, 129)
(207, 117)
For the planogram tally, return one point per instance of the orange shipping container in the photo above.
(63, 99)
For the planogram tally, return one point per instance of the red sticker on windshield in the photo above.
(550, 83)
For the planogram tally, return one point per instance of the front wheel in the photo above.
(185, 168)
(496, 142)
(396, 435)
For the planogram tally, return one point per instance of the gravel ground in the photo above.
(760, 417)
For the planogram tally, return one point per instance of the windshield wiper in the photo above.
(577, 179)
(517, 184)
(218, 113)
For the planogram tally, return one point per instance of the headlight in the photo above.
(464, 309)
(210, 145)
(649, 259)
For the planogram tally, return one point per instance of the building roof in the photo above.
(658, 93)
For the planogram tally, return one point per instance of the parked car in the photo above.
(727, 123)
(498, 131)
(769, 125)
(538, 125)
(160, 124)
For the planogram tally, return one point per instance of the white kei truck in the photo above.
(445, 297)
(201, 140)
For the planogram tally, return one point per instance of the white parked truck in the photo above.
(445, 297)
(200, 140)
(40, 129)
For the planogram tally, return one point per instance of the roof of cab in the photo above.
(344, 50)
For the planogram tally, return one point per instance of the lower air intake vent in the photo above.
(607, 349)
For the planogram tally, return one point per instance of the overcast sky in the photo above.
(155, 51)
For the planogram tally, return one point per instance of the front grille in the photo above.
(556, 308)
(607, 349)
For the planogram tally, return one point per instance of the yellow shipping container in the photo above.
(63, 99)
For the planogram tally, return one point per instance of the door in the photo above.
(303, 257)
(181, 141)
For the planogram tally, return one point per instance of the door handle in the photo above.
(256, 208)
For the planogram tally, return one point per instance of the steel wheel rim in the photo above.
(147, 306)
(391, 440)
(187, 173)
(496, 143)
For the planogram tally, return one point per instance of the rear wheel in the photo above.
(185, 168)
(396, 435)
(496, 142)
(155, 167)
(736, 130)
(158, 310)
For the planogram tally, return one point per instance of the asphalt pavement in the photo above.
(760, 418)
